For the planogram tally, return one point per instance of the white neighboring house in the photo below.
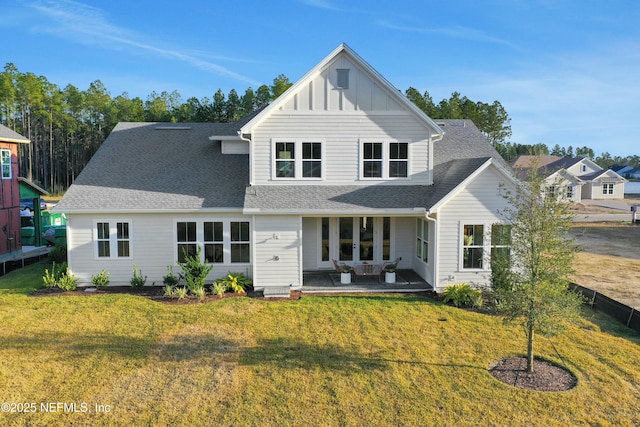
(341, 166)
(575, 178)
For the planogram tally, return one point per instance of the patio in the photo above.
(328, 281)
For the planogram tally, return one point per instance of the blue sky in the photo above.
(566, 71)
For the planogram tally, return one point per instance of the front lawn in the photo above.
(342, 360)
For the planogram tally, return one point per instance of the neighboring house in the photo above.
(574, 178)
(10, 242)
(341, 166)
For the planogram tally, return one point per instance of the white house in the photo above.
(341, 166)
(575, 178)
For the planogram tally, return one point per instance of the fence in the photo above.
(624, 314)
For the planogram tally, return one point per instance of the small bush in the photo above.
(58, 254)
(170, 279)
(101, 279)
(137, 281)
(169, 291)
(219, 288)
(195, 272)
(68, 282)
(57, 271)
(463, 294)
(180, 292)
(199, 292)
(236, 282)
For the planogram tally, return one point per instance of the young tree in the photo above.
(538, 295)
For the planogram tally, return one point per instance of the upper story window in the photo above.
(384, 160)
(298, 159)
(343, 78)
(6, 163)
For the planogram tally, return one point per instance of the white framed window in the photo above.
(607, 188)
(298, 159)
(112, 239)
(422, 239)
(500, 242)
(223, 241)
(342, 78)
(473, 247)
(5, 155)
(569, 192)
(384, 159)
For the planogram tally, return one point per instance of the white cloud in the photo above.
(86, 24)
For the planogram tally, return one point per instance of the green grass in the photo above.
(348, 361)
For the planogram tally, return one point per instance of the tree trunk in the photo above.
(530, 348)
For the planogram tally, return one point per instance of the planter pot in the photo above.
(345, 278)
(390, 277)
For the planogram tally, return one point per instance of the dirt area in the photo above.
(610, 260)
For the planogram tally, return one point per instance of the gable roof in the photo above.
(160, 167)
(353, 56)
(524, 161)
(7, 135)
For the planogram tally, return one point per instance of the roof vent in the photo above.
(173, 127)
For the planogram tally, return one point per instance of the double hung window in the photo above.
(113, 239)
(473, 247)
(298, 159)
(384, 160)
(6, 163)
(223, 241)
(607, 188)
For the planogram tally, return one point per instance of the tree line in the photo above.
(67, 125)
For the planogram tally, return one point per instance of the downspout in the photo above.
(436, 252)
(432, 139)
(242, 138)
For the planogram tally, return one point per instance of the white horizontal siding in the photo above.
(277, 237)
(153, 247)
(341, 134)
(479, 203)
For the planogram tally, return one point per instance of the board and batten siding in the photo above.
(277, 251)
(480, 202)
(341, 135)
(152, 244)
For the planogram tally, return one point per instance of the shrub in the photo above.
(58, 254)
(57, 271)
(199, 292)
(137, 281)
(195, 272)
(219, 288)
(68, 282)
(101, 279)
(170, 279)
(236, 282)
(169, 291)
(180, 292)
(463, 294)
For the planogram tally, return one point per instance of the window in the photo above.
(186, 240)
(552, 190)
(372, 160)
(583, 168)
(239, 242)
(398, 159)
(122, 238)
(569, 193)
(384, 160)
(104, 246)
(422, 240)
(306, 164)
(285, 160)
(473, 246)
(117, 238)
(311, 160)
(607, 188)
(213, 242)
(6, 163)
(500, 243)
(343, 78)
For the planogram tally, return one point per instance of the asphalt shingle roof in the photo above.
(7, 134)
(159, 166)
(175, 166)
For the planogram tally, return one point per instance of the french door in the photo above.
(355, 239)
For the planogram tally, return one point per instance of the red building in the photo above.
(9, 191)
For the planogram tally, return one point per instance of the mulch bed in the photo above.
(546, 376)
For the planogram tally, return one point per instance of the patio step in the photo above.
(277, 292)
